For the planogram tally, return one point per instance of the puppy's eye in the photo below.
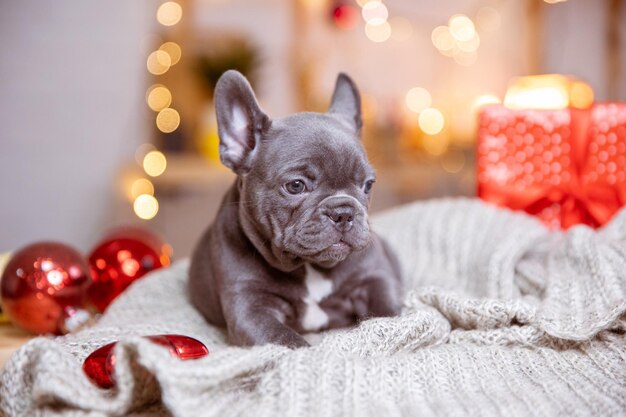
(368, 186)
(295, 187)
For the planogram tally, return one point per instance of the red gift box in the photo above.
(566, 166)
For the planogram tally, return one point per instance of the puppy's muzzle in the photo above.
(341, 210)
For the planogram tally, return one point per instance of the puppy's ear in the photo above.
(346, 101)
(240, 121)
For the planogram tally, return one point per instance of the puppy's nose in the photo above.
(342, 216)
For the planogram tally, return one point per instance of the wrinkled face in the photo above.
(308, 189)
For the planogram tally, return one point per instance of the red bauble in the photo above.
(345, 16)
(123, 256)
(100, 363)
(44, 286)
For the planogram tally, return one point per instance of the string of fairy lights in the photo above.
(167, 118)
(459, 40)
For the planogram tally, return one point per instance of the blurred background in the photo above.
(106, 112)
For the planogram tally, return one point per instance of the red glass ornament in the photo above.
(344, 16)
(44, 286)
(123, 256)
(98, 366)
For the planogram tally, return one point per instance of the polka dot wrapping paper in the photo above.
(566, 166)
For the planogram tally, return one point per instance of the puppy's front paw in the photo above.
(295, 341)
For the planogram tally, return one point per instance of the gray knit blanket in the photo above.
(501, 317)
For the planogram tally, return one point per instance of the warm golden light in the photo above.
(488, 19)
(378, 33)
(431, 121)
(417, 99)
(370, 107)
(154, 163)
(314, 5)
(141, 186)
(435, 145)
(375, 13)
(442, 38)
(146, 206)
(470, 45)
(536, 98)
(461, 27)
(484, 100)
(169, 13)
(166, 253)
(550, 91)
(159, 62)
(159, 97)
(363, 2)
(581, 95)
(168, 120)
(173, 50)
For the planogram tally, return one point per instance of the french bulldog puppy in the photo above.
(291, 250)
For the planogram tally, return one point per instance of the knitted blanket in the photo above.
(501, 317)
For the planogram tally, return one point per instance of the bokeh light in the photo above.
(581, 95)
(159, 97)
(173, 50)
(418, 99)
(469, 45)
(442, 38)
(159, 62)
(484, 100)
(536, 98)
(378, 33)
(146, 206)
(141, 186)
(169, 13)
(431, 121)
(168, 120)
(154, 163)
(461, 27)
(548, 91)
(375, 13)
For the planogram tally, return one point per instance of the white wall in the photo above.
(72, 81)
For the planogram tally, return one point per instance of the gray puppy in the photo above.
(290, 250)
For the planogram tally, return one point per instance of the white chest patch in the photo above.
(318, 287)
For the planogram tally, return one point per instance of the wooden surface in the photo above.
(11, 338)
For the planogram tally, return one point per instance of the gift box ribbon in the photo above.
(580, 203)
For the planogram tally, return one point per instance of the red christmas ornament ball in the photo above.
(123, 256)
(345, 16)
(98, 366)
(44, 287)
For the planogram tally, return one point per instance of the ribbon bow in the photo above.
(591, 204)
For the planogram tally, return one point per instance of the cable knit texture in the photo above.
(501, 317)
